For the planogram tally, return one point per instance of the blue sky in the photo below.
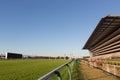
(50, 27)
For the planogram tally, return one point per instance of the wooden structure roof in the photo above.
(105, 27)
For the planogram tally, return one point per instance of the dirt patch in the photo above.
(95, 74)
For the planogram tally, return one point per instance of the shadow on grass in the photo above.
(77, 73)
(100, 77)
(94, 74)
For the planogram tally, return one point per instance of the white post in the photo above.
(114, 69)
(108, 68)
(64, 56)
(6, 55)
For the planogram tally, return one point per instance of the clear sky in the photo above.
(50, 27)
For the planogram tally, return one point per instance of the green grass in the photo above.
(64, 74)
(75, 71)
(112, 62)
(27, 69)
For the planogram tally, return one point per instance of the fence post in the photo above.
(56, 71)
(72, 65)
(69, 71)
(58, 75)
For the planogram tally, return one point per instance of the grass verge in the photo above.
(27, 69)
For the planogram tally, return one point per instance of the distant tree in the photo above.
(66, 57)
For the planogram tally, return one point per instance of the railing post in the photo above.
(69, 71)
(56, 71)
(58, 75)
(72, 65)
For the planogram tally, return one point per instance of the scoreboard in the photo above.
(13, 55)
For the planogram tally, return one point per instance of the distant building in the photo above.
(2, 56)
(13, 55)
(105, 40)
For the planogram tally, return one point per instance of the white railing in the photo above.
(56, 72)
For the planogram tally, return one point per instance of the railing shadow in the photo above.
(100, 77)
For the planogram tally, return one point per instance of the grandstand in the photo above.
(105, 40)
(104, 46)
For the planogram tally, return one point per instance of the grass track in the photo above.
(27, 69)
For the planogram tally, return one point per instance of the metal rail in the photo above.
(56, 71)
